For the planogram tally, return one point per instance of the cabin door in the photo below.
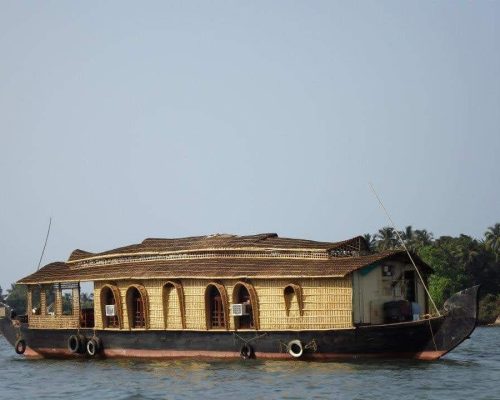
(136, 308)
(410, 292)
(217, 317)
(218, 320)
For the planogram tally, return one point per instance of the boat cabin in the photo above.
(227, 282)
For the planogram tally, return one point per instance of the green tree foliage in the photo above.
(489, 309)
(386, 239)
(492, 240)
(16, 298)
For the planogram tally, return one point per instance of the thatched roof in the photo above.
(216, 257)
(222, 242)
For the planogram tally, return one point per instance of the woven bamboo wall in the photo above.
(97, 305)
(194, 294)
(327, 304)
(172, 309)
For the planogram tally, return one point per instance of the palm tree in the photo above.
(492, 236)
(386, 238)
(407, 234)
(466, 250)
(422, 238)
(370, 241)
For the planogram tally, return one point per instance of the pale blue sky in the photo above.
(126, 120)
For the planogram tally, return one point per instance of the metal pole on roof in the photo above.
(404, 246)
(45, 244)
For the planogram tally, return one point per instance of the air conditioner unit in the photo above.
(110, 310)
(238, 310)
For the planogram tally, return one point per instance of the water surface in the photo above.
(472, 371)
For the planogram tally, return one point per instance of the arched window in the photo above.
(216, 306)
(111, 307)
(293, 299)
(137, 306)
(244, 293)
(173, 306)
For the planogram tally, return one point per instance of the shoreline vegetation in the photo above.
(458, 262)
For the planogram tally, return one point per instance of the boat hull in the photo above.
(427, 339)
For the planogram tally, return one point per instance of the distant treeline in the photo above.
(458, 262)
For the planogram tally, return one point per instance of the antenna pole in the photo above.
(45, 244)
(404, 246)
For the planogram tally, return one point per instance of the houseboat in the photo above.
(228, 296)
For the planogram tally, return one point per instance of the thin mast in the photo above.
(45, 244)
(404, 246)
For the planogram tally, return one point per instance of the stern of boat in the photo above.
(9, 327)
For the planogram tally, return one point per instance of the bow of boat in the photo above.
(460, 319)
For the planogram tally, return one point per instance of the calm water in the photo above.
(470, 372)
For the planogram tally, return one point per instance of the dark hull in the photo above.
(425, 339)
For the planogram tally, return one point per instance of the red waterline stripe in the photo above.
(156, 354)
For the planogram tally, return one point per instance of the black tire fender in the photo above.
(20, 346)
(246, 352)
(93, 346)
(77, 343)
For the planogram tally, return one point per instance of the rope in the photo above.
(312, 345)
(249, 340)
(404, 246)
(283, 347)
(432, 334)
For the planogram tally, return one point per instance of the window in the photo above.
(67, 300)
(50, 300)
(136, 308)
(110, 308)
(293, 299)
(36, 300)
(244, 293)
(86, 305)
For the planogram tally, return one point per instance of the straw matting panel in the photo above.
(194, 294)
(327, 303)
(97, 305)
(54, 322)
(173, 317)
